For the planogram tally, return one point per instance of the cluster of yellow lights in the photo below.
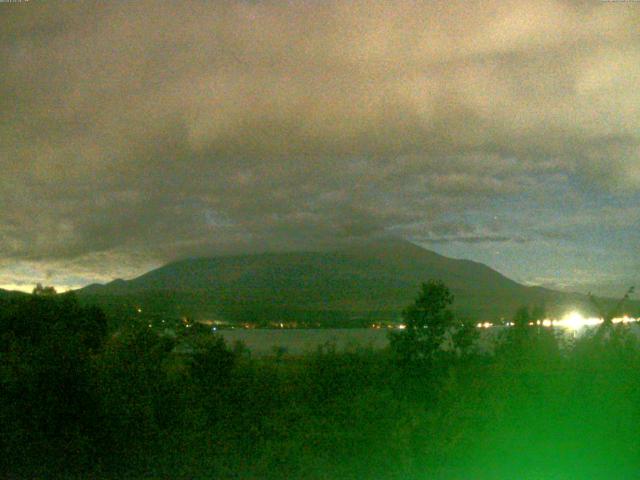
(572, 321)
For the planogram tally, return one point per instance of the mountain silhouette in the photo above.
(368, 280)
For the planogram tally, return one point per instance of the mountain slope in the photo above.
(374, 278)
(8, 294)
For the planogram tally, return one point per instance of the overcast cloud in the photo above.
(133, 133)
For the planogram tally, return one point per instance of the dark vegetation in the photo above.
(82, 399)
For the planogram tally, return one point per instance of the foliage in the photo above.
(429, 324)
(139, 405)
(610, 314)
(527, 341)
(522, 318)
(47, 393)
(40, 290)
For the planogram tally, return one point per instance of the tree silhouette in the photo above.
(538, 313)
(44, 291)
(428, 321)
(522, 317)
(608, 315)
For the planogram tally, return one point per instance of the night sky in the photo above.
(135, 133)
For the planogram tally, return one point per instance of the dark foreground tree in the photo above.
(431, 331)
(49, 420)
(522, 318)
(527, 341)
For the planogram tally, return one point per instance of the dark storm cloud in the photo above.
(164, 130)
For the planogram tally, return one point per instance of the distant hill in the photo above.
(368, 281)
(7, 294)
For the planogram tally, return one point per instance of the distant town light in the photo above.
(484, 325)
(575, 321)
(624, 319)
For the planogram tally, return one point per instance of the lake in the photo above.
(299, 341)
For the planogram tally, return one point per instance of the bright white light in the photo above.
(575, 321)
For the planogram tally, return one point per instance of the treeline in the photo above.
(80, 401)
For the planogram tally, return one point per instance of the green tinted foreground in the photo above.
(547, 424)
(79, 402)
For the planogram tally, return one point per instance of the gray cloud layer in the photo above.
(159, 130)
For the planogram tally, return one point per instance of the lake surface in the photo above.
(299, 341)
